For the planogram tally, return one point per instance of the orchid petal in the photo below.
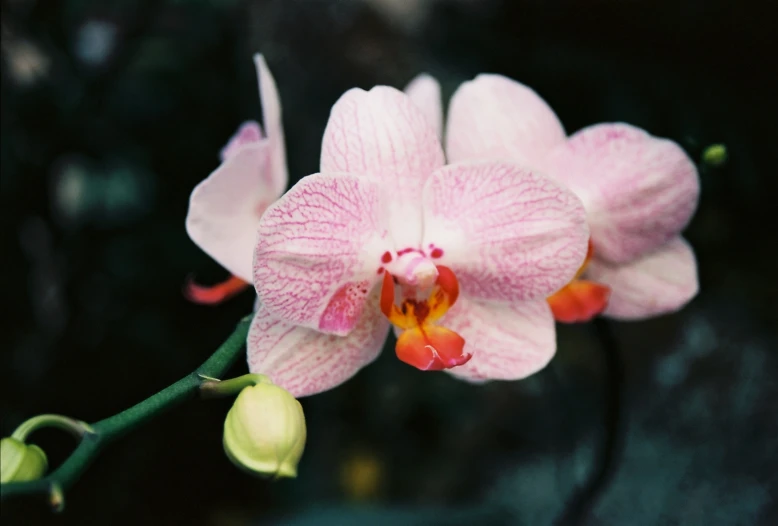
(305, 361)
(214, 294)
(224, 209)
(508, 341)
(424, 91)
(507, 233)
(658, 283)
(277, 175)
(639, 191)
(249, 132)
(383, 135)
(494, 117)
(319, 250)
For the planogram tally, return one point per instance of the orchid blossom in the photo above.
(460, 257)
(225, 208)
(639, 192)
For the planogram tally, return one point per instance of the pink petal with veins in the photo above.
(382, 134)
(494, 117)
(424, 91)
(318, 251)
(639, 191)
(507, 233)
(248, 133)
(305, 361)
(658, 283)
(509, 341)
(277, 175)
(224, 209)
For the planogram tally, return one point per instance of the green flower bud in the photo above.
(264, 432)
(20, 462)
(715, 155)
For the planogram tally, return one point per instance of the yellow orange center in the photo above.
(422, 344)
(581, 299)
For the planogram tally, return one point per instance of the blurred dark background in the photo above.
(112, 111)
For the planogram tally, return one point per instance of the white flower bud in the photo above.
(264, 432)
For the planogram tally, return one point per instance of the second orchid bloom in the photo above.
(639, 193)
(224, 209)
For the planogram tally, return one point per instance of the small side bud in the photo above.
(264, 432)
(21, 462)
(715, 155)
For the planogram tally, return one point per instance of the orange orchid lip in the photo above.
(214, 294)
(423, 345)
(581, 299)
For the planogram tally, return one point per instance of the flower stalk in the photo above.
(77, 428)
(96, 436)
(581, 505)
(215, 388)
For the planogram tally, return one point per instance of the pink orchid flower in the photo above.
(225, 208)
(639, 192)
(460, 258)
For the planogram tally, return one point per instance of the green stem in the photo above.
(77, 428)
(214, 388)
(122, 423)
